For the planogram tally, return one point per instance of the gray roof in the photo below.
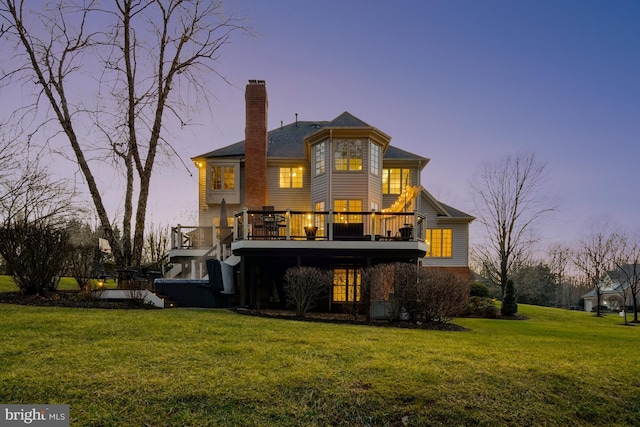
(453, 212)
(621, 278)
(398, 154)
(346, 120)
(624, 272)
(287, 141)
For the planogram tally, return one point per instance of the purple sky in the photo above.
(460, 82)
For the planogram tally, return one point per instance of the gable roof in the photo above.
(620, 279)
(446, 212)
(455, 213)
(624, 273)
(399, 154)
(347, 120)
(286, 142)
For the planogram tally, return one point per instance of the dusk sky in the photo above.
(459, 82)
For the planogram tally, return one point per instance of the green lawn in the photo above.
(66, 284)
(185, 367)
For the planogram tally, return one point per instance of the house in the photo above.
(330, 194)
(614, 289)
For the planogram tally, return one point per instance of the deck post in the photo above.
(287, 217)
(373, 225)
(330, 224)
(245, 224)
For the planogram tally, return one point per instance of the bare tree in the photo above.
(156, 243)
(595, 253)
(559, 257)
(627, 264)
(34, 242)
(145, 58)
(83, 263)
(33, 196)
(511, 197)
(8, 164)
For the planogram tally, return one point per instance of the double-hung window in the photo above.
(395, 180)
(290, 177)
(374, 167)
(319, 151)
(342, 209)
(440, 242)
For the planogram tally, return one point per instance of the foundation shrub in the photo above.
(417, 294)
(304, 287)
(440, 295)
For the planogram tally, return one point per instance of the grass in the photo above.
(215, 367)
(66, 284)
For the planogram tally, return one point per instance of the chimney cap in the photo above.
(257, 82)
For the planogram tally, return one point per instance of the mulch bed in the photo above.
(347, 319)
(65, 299)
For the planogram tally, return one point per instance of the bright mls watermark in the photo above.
(36, 415)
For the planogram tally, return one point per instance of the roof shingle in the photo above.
(287, 141)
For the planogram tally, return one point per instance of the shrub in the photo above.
(415, 293)
(441, 295)
(397, 284)
(80, 265)
(478, 290)
(304, 286)
(35, 253)
(481, 307)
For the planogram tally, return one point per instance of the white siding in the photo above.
(459, 247)
(297, 199)
(349, 186)
(460, 237)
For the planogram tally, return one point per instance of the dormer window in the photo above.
(348, 154)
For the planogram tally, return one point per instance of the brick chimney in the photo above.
(256, 145)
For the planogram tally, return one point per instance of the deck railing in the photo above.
(193, 237)
(329, 225)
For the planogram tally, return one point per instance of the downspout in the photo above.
(330, 171)
(418, 205)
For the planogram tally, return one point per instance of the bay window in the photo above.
(222, 178)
